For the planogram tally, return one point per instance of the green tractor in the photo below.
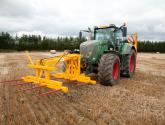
(109, 52)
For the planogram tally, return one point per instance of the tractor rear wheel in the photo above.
(130, 64)
(109, 69)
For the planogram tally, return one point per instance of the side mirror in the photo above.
(124, 31)
(89, 29)
(80, 35)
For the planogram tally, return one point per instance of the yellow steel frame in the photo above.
(135, 39)
(44, 67)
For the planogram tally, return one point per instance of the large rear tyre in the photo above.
(130, 64)
(109, 69)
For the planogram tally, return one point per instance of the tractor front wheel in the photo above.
(109, 69)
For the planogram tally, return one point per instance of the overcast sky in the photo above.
(67, 17)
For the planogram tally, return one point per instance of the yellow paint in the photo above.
(103, 26)
(72, 71)
(30, 59)
(135, 40)
(44, 67)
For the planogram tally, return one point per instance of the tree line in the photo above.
(38, 43)
(150, 46)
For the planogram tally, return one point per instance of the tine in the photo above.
(81, 84)
(31, 88)
(17, 84)
(49, 92)
(11, 81)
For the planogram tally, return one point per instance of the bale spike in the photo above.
(18, 84)
(31, 88)
(48, 93)
(11, 81)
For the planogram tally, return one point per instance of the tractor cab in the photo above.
(110, 32)
(115, 35)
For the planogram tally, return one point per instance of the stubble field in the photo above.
(136, 101)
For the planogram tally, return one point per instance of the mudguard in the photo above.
(126, 48)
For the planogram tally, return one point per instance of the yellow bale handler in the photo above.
(44, 67)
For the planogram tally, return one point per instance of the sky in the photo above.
(66, 17)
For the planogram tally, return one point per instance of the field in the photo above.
(136, 101)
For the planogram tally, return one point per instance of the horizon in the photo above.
(63, 36)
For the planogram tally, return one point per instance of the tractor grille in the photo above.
(86, 51)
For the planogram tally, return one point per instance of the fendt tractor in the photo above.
(109, 52)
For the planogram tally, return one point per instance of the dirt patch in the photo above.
(151, 63)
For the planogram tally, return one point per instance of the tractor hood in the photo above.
(91, 50)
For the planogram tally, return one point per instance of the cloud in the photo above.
(16, 8)
(63, 17)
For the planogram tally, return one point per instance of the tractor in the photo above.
(109, 52)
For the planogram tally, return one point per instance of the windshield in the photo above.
(104, 34)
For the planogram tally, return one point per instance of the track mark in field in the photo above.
(93, 108)
(2, 61)
(28, 110)
(54, 115)
(2, 104)
(3, 69)
(5, 106)
(58, 111)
